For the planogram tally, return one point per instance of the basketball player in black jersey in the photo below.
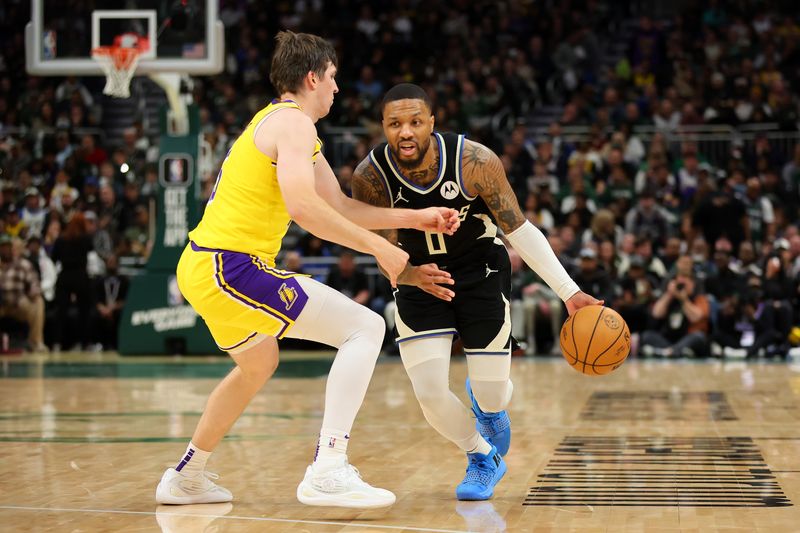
(460, 283)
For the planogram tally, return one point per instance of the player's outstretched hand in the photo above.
(391, 259)
(430, 278)
(581, 299)
(437, 220)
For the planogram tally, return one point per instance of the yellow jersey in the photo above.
(246, 212)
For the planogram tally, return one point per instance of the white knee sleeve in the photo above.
(492, 396)
(430, 383)
(489, 377)
(427, 362)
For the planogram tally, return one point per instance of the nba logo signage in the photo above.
(175, 176)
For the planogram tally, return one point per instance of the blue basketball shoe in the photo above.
(494, 427)
(483, 473)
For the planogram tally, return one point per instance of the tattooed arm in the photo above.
(369, 187)
(484, 176)
(372, 213)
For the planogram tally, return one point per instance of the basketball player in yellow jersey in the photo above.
(275, 173)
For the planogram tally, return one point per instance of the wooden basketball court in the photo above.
(655, 446)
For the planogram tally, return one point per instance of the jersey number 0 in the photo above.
(438, 247)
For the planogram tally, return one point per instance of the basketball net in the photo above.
(119, 62)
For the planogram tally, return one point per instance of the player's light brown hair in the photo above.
(297, 54)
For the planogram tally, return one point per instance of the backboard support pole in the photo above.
(177, 116)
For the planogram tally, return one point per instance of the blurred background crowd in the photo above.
(655, 143)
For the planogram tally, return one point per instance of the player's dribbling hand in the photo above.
(391, 259)
(430, 278)
(437, 220)
(581, 299)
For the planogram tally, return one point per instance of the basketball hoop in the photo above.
(119, 62)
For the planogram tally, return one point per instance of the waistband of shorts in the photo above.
(197, 248)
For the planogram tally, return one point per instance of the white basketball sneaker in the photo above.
(177, 489)
(341, 487)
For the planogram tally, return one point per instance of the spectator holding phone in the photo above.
(680, 316)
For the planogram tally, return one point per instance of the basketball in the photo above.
(595, 340)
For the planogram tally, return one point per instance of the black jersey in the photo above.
(474, 242)
(474, 256)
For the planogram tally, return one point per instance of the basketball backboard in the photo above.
(185, 36)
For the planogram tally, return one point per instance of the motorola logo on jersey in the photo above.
(449, 190)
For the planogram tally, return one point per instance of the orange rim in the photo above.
(122, 56)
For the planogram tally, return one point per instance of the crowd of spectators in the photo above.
(700, 254)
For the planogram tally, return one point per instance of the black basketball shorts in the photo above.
(479, 312)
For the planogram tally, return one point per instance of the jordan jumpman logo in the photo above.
(400, 196)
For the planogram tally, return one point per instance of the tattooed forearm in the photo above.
(485, 175)
(405, 277)
(505, 209)
(388, 234)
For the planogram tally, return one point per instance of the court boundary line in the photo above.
(231, 517)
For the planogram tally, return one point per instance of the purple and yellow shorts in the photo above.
(240, 297)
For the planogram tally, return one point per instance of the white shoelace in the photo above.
(201, 483)
(342, 477)
(352, 471)
(210, 475)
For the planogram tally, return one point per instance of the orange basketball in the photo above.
(595, 340)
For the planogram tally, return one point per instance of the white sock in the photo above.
(331, 449)
(193, 461)
(483, 447)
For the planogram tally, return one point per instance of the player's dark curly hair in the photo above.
(403, 91)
